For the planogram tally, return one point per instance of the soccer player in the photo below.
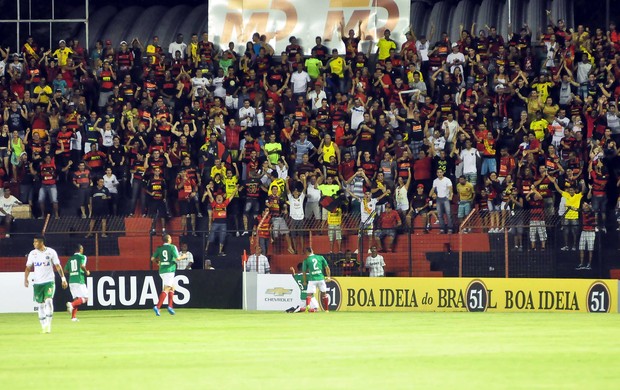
(165, 257)
(313, 276)
(43, 260)
(314, 305)
(76, 268)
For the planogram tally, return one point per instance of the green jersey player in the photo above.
(312, 268)
(299, 279)
(165, 257)
(76, 268)
(41, 262)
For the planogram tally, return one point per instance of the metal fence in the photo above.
(472, 252)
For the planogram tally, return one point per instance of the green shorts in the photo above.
(43, 291)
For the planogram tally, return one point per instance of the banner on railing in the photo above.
(237, 20)
(475, 295)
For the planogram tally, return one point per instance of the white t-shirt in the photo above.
(357, 116)
(177, 46)
(43, 262)
(111, 183)
(300, 81)
(201, 82)
(7, 204)
(375, 265)
(249, 114)
(316, 99)
(442, 187)
(422, 49)
(367, 208)
(449, 129)
(314, 194)
(296, 207)
(182, 264)
(468, 157)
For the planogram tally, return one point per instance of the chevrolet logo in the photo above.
(279, 291)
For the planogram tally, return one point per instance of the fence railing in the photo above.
(476, 250)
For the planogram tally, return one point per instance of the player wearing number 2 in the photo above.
(44, 260)
(314, 277)
(76, 268)
(166, 256)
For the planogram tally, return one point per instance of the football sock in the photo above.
(49, 312)
(42, 314)
(162, 297)
(325, 303)
(77, 302)
(308, 298)
(170, 298)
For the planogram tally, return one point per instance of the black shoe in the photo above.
(291, 309)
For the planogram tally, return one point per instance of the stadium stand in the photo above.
(208, 137)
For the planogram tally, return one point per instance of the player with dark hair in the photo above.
(43, 260)
(165, 257)
(299, 279)
(313, 276)
(76, 268)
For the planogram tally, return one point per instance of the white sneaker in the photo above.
(69, 307)
(75, 320)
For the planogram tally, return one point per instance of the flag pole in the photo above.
(244, 260)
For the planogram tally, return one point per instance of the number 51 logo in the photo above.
(599, 298)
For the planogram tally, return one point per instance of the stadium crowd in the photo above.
(431, 128)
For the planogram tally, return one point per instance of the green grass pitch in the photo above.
(232, 349)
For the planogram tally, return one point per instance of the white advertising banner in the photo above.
(18, 299)
(236, 21)
(276, 292)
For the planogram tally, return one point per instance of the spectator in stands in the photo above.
(99, 208)
(187, 261)
(389, 221)
(7, 201)
(375, 263)
(219, 204)
(257, 262)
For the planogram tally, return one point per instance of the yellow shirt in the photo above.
(336, 66)
(384, 48)
(280, 184)
(215, 170)
(539, 127)
(465, 191)
(329, 151)
(543, 90)
(62, 55)
(572, 202)
(335, 218)
(231, 185)
(44, 92)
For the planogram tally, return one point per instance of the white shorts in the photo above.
(312, 285)
(167, 279)
(78, 290)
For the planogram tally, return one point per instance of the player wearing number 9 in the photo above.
(165, 257)
(312, 269)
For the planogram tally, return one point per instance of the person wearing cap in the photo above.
(62, 53)
(456, 59)
(124, 60)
